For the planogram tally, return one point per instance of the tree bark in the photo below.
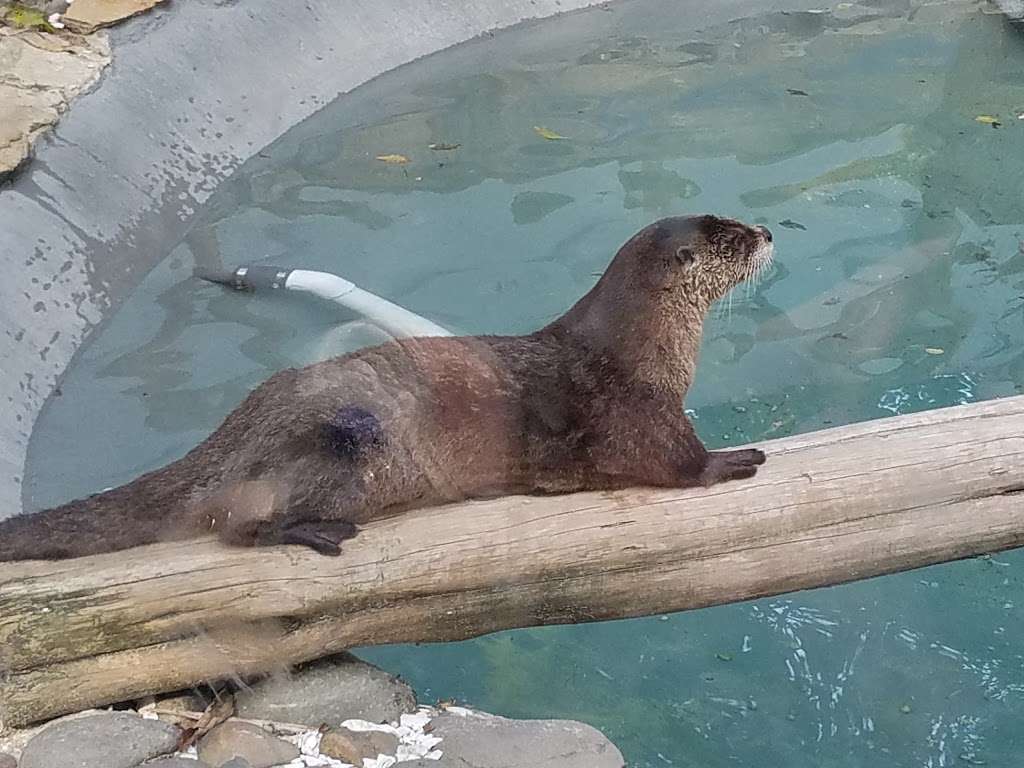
(828, 507)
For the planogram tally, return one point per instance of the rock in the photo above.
(46, 6)
(489, 741)
(328, 691)
(86, 16)
(352, 746)
(41, 61)
(7, 761)
(236, 762)
(175, 762)
(170, 707)
(14, 741)
(23, 115)
(183, 701)
(108, 740)
(259, 747)
(41, 73)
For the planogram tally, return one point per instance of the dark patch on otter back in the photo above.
(352, 431)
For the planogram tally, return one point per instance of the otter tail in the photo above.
(128, 516)
(71, 530)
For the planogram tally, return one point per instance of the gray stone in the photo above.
(108, 740)
(487, 741)
(328, 691)
(237, 762)
(175, 762)
(7, 761)
(259, 747)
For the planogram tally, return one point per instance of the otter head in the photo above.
(698, 258)
(647, 310)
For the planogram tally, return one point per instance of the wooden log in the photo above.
(828, 507)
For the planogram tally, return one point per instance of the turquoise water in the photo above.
(898, 217)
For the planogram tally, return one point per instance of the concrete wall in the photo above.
(193, 91)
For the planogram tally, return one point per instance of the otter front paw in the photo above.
(731, 465)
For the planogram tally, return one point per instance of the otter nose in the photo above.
(765, 233)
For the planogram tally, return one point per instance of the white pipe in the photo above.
(381, 312)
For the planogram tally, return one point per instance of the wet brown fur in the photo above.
(592, 401)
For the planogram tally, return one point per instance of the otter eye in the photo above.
(684, 255)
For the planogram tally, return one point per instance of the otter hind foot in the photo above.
(731, 465)
(323, 536)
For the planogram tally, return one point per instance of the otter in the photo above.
(592, 401)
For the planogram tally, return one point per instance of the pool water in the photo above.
(861, 134)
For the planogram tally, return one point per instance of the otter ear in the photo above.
(685, 256)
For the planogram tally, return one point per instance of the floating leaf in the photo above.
(722, 656)
(393, 159)
(790, 224)
(796, 92)
(935, 350)
(988, 120)
(443, 147)
(547, 133)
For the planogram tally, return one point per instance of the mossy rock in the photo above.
(25, 17)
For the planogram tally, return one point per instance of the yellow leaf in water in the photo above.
(987, 120)
(547, 133)
(935, 350)
(393, 159)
